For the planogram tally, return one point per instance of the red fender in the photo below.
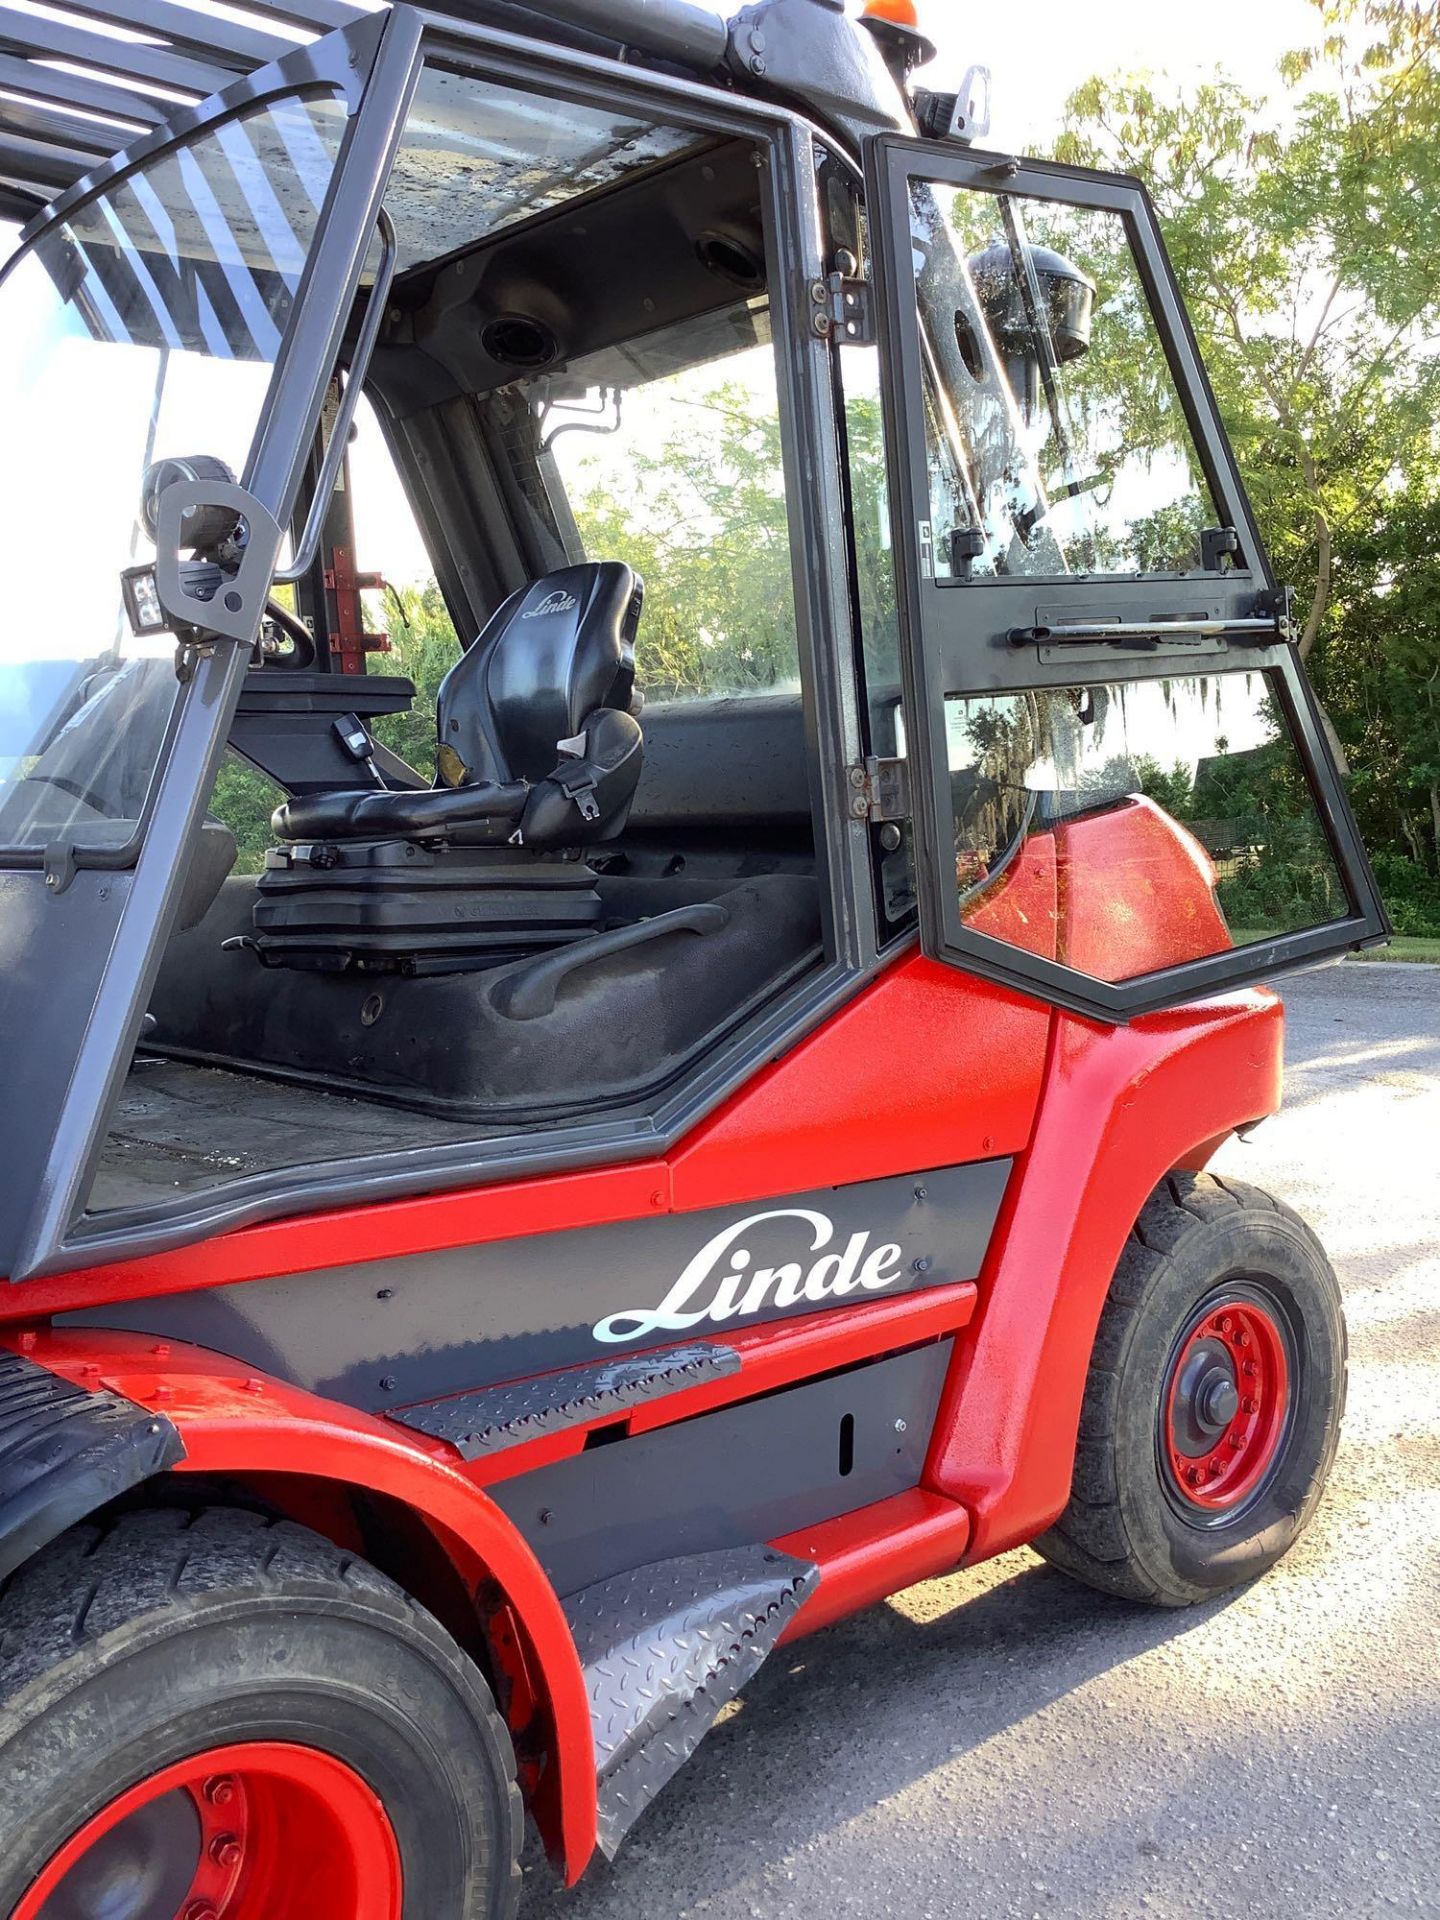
(1121, 1108)
(243, 1424)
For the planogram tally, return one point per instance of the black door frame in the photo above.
(960, 637)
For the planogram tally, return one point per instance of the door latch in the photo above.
(880, 790)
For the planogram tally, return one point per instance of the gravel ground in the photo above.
(1004, 1743)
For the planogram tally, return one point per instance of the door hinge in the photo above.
(880, 790)
(843, 310)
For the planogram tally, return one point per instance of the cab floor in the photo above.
(181, 1129)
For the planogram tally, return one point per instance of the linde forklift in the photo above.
(713, 1145)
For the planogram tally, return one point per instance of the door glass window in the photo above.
(1057, 441)
(1121, 829)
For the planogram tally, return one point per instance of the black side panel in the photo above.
(64, 1452)
(384, 1333)
(726, 1479)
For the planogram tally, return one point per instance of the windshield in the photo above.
(143, 327)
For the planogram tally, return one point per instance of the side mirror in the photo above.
(1042, 306)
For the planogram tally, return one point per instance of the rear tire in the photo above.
(1213, 1402)
(357, 1749)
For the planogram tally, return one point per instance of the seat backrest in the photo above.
(551, 657)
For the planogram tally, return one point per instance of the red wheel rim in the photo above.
(263, 1831)
(1226, 1404)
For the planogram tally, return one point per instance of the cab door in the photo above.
(1122, 791)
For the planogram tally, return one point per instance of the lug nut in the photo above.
(220, 1790)
(1237, 1441)
(226, 1851)
(1242, 1338)
(201, 1910)
(1226, 1323)
(1249, 1369)
(1250, 1404)
(1192, 1474)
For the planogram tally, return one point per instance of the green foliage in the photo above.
(1305, 229)
(423, 648)
(703, 520)
(244, 799)
(1304, 232)
(1253, 813)
(1412, 895)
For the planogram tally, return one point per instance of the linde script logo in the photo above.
(719, 1283)
(556, 602)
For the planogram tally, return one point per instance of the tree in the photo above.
(1304, 229)
(1304, 232)
(1385, 682)
(703, 519)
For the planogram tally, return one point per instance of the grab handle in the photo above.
(529, 995)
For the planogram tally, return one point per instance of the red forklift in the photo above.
(723, 1137)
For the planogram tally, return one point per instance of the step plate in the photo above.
(494, 1418)
(665, 1648)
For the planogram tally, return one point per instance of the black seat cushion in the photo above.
(536, 735)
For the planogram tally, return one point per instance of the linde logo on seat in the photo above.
(719, 1285)
(557, 602)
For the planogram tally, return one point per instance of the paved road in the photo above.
(1003, 1743)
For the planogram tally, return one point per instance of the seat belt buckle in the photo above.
(577, 780)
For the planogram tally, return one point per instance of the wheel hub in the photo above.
(142, 1869)
(1225, 1406)
(257, 1832)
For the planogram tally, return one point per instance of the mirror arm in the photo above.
(345, 414)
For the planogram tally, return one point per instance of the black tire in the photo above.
(1130, 1528)
(129, 1648)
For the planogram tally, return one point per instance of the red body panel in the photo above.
(1122, 1107)
(1023, 907)
(925, 1068)
(880, 1550)
(1113, 894)
(1136, 894)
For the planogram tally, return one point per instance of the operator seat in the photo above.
(538, 757)
(537, 747)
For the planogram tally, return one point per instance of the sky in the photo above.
(1040, 52)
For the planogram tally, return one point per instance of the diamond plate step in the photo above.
(664, 1649)
(493, 1418)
